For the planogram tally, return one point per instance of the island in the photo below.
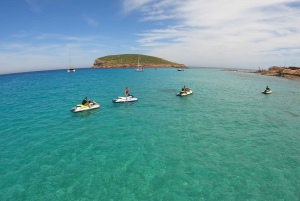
(291, 72)
(133, 61)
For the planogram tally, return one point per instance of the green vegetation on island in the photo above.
(132, 60)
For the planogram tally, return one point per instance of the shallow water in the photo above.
(226, 141)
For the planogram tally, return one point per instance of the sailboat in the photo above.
(138, 69)
(70, 69)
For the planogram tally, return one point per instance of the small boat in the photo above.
(184, 93)
(139, 70)
(71, 70)
(266, 92)
(130, 98)
(80, 107)
(180, 69)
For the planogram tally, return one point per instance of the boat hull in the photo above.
(266, 92)
(184, 93)
(124, 99)
(80, 107)
(139, 70)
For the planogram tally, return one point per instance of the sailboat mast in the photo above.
(70, 69)
(138, 69)
(69, 60)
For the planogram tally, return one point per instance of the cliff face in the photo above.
(288, 72)
(130, 61)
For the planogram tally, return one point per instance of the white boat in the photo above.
(266, 92)
(121, 99)
(70, 69)
(180, 69)
(80, 107)
(139, 69)
(184, 93)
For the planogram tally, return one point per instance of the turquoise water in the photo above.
(227, 141)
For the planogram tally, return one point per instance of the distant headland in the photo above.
(132, 61)
(291, 72)
(287, 72)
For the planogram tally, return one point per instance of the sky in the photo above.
(249, 34)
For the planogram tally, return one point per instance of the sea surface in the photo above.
(226, 141)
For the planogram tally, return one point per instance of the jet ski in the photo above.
(184, 93)
(120, 99)
(266, 92)
(80, 107)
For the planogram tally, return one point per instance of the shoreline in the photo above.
(283, 72)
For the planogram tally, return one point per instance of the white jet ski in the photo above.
(184, 93)
(120, 99)
(80, 107)
(266, 92)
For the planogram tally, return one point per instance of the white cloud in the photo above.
(77, 39)
(35, 6)
(92, 22)
(130, 5)
(235, 33)
(222, 33)
(51, 51)
(32, 58)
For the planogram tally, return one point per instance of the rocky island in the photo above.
(132, 60)
(287, 72)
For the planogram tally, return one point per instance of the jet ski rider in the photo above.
(126, 92)
(184, 89)
(86, 102)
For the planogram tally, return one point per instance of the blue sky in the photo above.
(38, 34)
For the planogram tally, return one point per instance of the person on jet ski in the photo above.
(86, 102)
(267, 88)
(126, 92)
(184, 89)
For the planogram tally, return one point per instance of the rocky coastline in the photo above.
(286, 72)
